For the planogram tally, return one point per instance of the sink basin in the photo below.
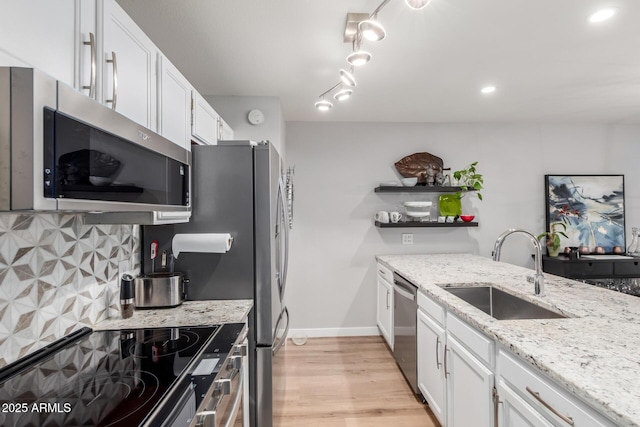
(500, 304)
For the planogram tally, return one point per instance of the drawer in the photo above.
(430, 307)
(474, 340)
(385, 273)
(559, 405)
(627, 268)
(588, 268)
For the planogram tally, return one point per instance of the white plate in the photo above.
(418, 214)
(418, 204)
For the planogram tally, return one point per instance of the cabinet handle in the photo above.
(445, 361)
(114, 96)
(388, 299)
(437, 354)
(496, 410)
(537, 396)
(92, 79)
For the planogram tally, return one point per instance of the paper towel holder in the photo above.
(191, 242)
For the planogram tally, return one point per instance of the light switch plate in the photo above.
(407, 239)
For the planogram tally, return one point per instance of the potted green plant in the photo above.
(467, 179)
(552, 238)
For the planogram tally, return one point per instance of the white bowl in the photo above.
(409, 182)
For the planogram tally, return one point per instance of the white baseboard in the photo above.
(334, 332)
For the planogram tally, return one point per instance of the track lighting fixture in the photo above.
(359, 27)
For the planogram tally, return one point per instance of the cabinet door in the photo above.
(40, 34)
(431, 379)
(128, 66)
(226, 133)
(174, 104)
(205, 121)
(515, 412)
(469, 388)
(385, 310)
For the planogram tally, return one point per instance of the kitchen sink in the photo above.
(500, 304)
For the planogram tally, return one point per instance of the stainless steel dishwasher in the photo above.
(405, 316)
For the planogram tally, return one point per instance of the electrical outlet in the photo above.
(407, 239)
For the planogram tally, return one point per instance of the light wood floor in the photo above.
(344, 382)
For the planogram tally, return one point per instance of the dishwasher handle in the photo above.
(401, 289)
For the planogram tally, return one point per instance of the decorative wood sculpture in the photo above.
(427, 167)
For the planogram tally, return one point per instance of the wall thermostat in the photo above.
(255, 117)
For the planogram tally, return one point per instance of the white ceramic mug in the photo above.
(382, 216)
(395, 216)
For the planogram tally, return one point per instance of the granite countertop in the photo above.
(595, 353)
(190, 313)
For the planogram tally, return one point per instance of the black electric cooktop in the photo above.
(109, 378)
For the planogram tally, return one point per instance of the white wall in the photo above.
(234, 110)
(332, 268)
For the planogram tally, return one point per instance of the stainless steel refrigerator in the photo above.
(238, 188)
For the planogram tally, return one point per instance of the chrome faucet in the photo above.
(538, 279)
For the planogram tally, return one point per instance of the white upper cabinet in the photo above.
(225, 133)
(174, 104)
(205, 121)
(41, 34)
(128, 66)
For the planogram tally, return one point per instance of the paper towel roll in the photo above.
(218, 243)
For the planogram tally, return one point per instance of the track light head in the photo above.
(372, 30)
(347, 78)
(417, 4)
(323, 105)
(359, 58)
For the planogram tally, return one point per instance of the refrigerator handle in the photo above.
(285, 213)
(280, 342)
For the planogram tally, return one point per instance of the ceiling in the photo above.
(548, 62)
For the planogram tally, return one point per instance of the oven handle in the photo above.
(237, 401)
(221, 389)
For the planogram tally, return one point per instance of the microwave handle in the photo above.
(114, 96)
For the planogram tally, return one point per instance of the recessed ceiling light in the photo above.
(488, 89)
(602, 15)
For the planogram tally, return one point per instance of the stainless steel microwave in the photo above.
(62, 151)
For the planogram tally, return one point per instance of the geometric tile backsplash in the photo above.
(57, 275)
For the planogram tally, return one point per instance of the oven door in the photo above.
(224, 406)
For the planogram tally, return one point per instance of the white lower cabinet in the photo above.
(384, 315)
(515, 412)
(455, 364)
(431, 381)
(469, 388)
(550, 403)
